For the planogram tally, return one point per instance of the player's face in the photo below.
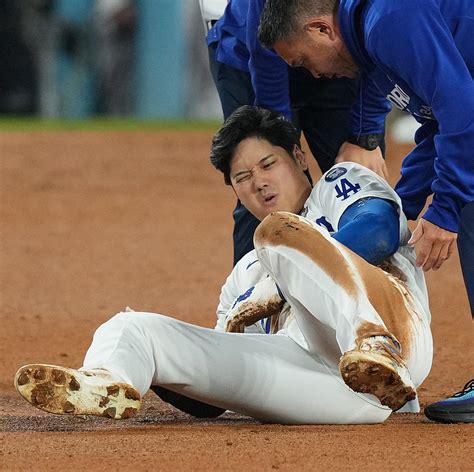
(319, 49)
(266, 178)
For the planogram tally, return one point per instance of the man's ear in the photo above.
(320, 26)
(300, 156)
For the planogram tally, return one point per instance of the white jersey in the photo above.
(338, 189)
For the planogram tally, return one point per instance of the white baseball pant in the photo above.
(272, 377)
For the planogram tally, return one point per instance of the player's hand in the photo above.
(260, 301)
(433, 245)
(373, 160)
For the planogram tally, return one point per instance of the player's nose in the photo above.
(260, 180)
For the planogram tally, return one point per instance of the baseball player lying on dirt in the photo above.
(309, 329)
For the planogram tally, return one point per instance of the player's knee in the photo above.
(288, 229)
(274, 228)
(118, 322)
(130, 323)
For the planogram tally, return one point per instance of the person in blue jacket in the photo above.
(420, 55)
(245, 73)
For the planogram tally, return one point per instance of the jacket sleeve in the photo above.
(370, 109)
(268, 72)
(417, 173)
(420, 49)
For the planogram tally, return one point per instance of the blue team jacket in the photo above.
(236, 35)
(238, 46)
(420, 55)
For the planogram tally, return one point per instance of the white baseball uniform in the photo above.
(331, 298)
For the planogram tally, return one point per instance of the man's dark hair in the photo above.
(251, 122)
(281, 19)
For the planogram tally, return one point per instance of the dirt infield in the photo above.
(91, 222)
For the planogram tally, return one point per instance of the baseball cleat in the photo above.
(459, 408)
(376, 367)
(65, 391)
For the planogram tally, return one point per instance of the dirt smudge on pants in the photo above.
(283, 228)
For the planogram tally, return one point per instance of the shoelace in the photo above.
(469, 387)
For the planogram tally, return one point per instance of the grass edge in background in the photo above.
(104, 124)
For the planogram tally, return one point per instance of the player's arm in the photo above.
(370, 227)
(363, 208)
(262, 300)
(247, 296)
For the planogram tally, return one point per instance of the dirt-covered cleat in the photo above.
(65, 391)
(376, 367)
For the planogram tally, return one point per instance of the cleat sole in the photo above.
(376, 378)
(61, 390)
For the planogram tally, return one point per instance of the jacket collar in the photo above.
(350, 17)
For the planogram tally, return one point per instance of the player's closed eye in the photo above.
(243, 178)
(267, 165)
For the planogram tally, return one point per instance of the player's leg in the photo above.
(340, 289)
(324, 280)
(268, 377)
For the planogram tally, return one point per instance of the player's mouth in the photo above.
(270, 199)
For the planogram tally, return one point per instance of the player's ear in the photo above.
(320, 26)
(300, 157)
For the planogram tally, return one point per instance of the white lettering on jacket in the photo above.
(398, 97)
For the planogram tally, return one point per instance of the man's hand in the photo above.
(260, 301)
(373, 160)
(433, 245)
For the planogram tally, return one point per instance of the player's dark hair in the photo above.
(282, 19)
(251, 122)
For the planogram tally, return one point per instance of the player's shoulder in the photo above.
(348, 175)
(347, 182)
(337, 171)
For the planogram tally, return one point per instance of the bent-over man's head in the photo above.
(305, 33)
(259, 153)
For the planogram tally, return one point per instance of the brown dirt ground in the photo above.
(91, 222)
